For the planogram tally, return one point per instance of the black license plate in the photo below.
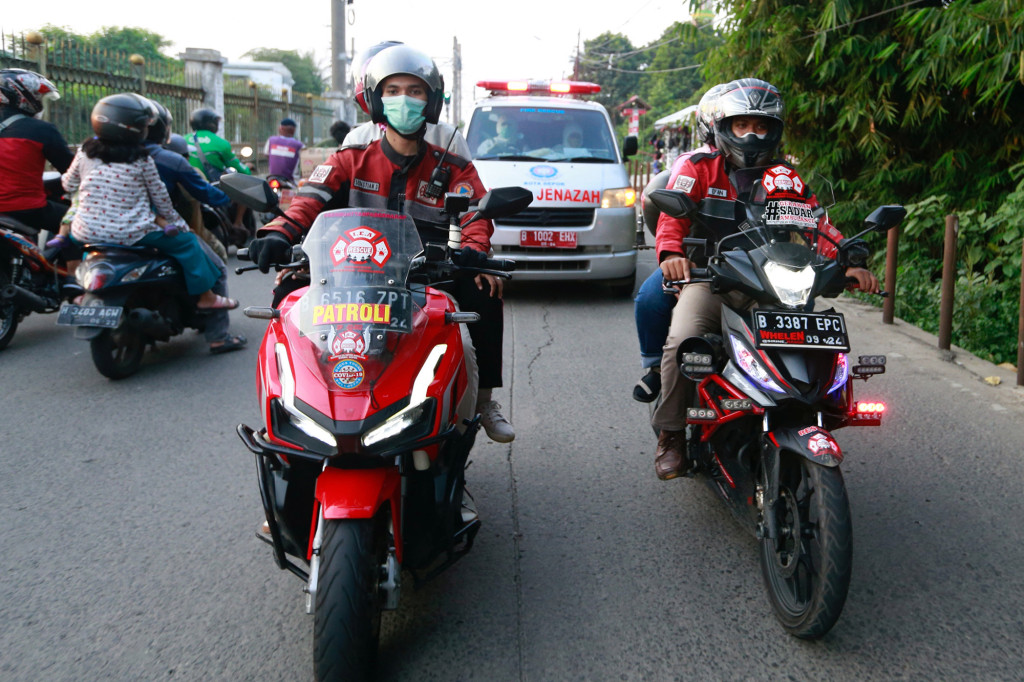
(773, 329)
(90, 315)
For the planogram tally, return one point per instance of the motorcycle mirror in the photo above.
(504, 201)
(248, 191)
(629, 146)
(884, 218)
(672, 202)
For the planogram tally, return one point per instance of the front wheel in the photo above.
(117, 353)
(807, 567)
(8, 312)
(348, 608)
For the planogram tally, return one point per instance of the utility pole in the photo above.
(455, 115)
(338, 55)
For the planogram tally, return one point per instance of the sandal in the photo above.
(220, 303)
(229, 344)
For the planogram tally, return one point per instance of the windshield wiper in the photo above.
(510, 157)
(585, 159)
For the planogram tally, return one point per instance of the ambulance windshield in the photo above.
(531, 133)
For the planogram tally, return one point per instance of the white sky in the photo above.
(512, 39)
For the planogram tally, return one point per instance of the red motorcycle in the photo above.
(363, 389)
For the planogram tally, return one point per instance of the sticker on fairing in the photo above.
(684, 182)
(346, 343)
(783, 182)
(320, 173)
(789, 213)
(348, 374)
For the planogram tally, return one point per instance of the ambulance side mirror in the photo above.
(629, 146)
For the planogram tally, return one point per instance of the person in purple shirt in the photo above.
(282, 151)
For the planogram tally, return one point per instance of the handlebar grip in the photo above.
(699, 273)
(853, 280)
(504, 264)
(243, 254)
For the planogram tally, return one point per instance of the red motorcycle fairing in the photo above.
(35, 260)
(359, 494)
(811, 442)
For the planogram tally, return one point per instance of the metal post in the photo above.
(38, 43)
(891, 256)
(1020, 326)
(948, 282)
(138, 63)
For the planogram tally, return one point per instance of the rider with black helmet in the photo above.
(403, 89)
(123, 201)
(213, 153)
(26, 144)
(747, 126)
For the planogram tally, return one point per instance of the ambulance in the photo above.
(582, 223)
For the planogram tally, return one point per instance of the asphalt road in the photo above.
(129, 510)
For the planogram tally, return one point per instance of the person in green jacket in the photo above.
(212, 155)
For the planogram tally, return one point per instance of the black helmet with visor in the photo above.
(749, 97)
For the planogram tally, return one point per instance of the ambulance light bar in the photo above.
(541, 86)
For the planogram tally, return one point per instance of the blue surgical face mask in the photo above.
(404, 113)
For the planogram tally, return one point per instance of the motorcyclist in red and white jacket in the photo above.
(404, 89)
(748, 130)
(26, 144)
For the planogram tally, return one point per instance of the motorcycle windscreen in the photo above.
(359, 261)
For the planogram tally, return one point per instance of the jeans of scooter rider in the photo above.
(487, 334)
(697, 312)
(217, 320)
(652, 308)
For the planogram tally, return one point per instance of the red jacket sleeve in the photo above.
(325, 180)
(477, 234)
(670, 232)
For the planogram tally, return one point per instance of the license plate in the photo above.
(90, 315)
(774, 329)
(549, 239)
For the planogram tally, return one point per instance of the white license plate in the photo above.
(90, 315)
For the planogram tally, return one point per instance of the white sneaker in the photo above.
(497, 427)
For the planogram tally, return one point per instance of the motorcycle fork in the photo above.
(768, 487)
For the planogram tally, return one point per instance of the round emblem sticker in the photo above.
(347, 374)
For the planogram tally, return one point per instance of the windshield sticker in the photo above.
(789, 213)
(463, 189)
(363, 245)
(684, 182)
(347, 343)
(342, 313)
(783, 182)
(320, 173)
(348, 373)
(543, 171)
(582, 196)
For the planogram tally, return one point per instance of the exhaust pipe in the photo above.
(23, 298)
(150, 323)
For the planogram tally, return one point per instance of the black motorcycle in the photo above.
(134, 296)
(772, 386)
(30, 282)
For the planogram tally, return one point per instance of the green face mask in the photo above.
(403, 113)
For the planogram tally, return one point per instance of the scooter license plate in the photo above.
(548, 239)
(826, 331)
(90, 315)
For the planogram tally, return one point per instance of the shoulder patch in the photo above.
(320, 173)
(684, 182)
(463, 189)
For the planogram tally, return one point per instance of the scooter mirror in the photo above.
(504, 201)
(248, 191)
(672, 202)
(885, 218)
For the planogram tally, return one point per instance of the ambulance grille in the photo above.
(549, 217)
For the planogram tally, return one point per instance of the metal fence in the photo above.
(84, 74)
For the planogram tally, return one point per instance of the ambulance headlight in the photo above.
(623, 197)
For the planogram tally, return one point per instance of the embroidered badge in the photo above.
(684, 182)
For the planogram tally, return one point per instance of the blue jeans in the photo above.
(653, 309)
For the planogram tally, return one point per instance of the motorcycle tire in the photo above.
(807, 568)
(117, 353)
(347, 615)
(8, 312)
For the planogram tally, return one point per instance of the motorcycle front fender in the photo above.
(359, 494)
(811, 442)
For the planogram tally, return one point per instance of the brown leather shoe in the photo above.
(670, 457)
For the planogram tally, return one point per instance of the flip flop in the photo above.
(230, 343)
(220, 303)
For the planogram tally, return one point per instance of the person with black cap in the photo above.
(282, 151)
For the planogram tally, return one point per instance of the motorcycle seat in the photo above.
(18, 226)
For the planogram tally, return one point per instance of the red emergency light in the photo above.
(516, 87)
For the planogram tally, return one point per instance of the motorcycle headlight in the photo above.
(752, 367)
(791, 286)
(420, 409)
(623, 197)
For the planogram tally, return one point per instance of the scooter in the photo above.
(368, 415)
(29, 282)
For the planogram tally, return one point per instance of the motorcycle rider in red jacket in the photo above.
(26, 144)
(404, 89)
(748, 130)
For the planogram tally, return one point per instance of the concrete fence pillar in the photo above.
(208, 67)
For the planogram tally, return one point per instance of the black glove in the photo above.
(470, 258)
(274, 249)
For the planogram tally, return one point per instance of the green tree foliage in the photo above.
(303, 67)
(611, 61)
(895, 102)
(674, 78)
(116, 38)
